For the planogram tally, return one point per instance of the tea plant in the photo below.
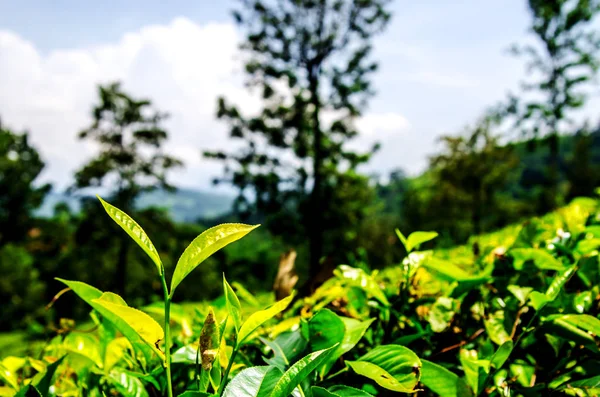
(517, 318)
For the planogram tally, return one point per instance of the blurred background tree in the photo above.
(21, 289)
(310, 60)
(129, 161)
(472, 168)
(20, 166)
(562, 60)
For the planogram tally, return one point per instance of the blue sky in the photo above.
(441, 64)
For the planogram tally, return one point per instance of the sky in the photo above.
(442, 64)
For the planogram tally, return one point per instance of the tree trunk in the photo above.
(476, 214)
(316, 221)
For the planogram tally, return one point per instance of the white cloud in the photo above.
(373, 124)
(182, 67)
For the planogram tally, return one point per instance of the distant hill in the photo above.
(184, 205)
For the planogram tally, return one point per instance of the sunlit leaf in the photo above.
(439, 379)
(127, 384)
(253, 382)
(135, 231)
(233, 305)
(494, 326)
(206, 244)
(260, 317)
(144, 325)
(502, 354)
(90, 294)
(417, 238)
(298, 372)
(393, 367)
(359, 278)
(541, 258)
(441, 314)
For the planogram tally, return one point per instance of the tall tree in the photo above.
(583, 173)
(311, 61)
(472, 167)
(563, 59)
(20, 195)
(130, 161)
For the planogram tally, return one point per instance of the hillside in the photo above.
(184, 205)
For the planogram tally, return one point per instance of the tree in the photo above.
(472, 167)
(20, 195)
(582, 172)
(311, 62)
(564, 59)
(130, 161)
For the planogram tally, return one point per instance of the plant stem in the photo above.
(167, 334)
(226, 374)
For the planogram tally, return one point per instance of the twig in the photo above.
(462, 343)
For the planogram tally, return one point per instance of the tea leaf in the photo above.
(299, 371)
(233, 305)
(206, 244)
(393, 367)
(260, 317)
(135, 231)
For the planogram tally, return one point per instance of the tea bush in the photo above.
(515, 315)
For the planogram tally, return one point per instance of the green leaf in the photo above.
(439, 379)
(359, 278)
(9, 377)
(494, 326)
(28, 391)
(441, 314)
(194, 393)
(347, 391)
(90, 294)
(127, 384)
(584, 321)
(521, 293)
(538, 300)
(287, 348)
(321, 392)
(135, 231)
(233, 304)
(450, 271)
(502, 354)
(85, 345)
(260, 317)
(394, 367)
(559, 282)
(402, 238)
(245, 294)
(417, 238)
(253, 382)
(144, 325)
(338, 391)
(325, 329)
(542, 259)
(299, 371)
(206, 244)
(476, 370)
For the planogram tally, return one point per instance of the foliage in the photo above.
(519, 318)
(20, 191)
(310, 60)
(471, 169)
(563, 60)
